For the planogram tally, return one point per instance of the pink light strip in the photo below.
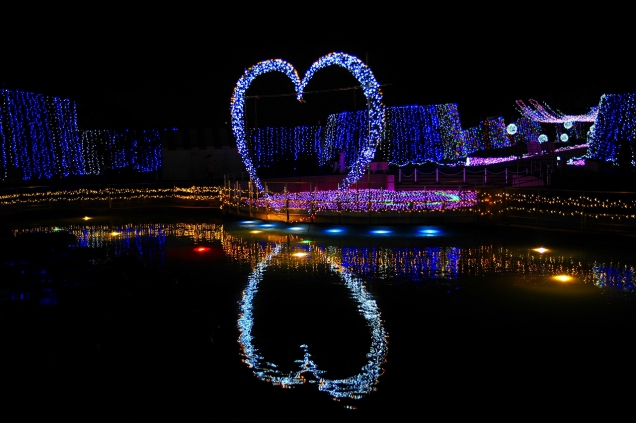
(547, 115)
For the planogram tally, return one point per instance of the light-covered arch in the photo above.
(371, 90)
(237, 107)
(358, 69)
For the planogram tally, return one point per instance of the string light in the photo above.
(40, 138)
(86, 196)
(423, 134)
(543, 113)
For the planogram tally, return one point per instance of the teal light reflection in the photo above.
(296, 228)
(380, 232)
(429, 232)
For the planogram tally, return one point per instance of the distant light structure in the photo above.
(544, 114)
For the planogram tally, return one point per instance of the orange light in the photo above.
(562, 278)
(540, 250)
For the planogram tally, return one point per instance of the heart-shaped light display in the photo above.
(358, 69)
(352, 387)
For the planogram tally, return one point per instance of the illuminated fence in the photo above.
(464, 175)
(531, 173)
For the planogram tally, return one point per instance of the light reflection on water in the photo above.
(426, 263)
(355, 265)
(308, 371)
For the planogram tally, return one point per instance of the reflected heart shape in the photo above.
(358, 69)
(352, 387)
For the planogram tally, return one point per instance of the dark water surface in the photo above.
(187, 315)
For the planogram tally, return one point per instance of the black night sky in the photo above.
(178, 68)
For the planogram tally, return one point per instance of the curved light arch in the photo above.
(237, 106)
(353, 387)
(371, 90)
(354, 65)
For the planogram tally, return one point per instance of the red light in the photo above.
(202, 249)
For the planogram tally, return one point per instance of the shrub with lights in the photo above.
(423, 134)
(527, 130)
(490, 134)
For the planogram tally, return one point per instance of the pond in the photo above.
(186, 314)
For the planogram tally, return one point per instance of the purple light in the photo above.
(376, 200)
(547, 115)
